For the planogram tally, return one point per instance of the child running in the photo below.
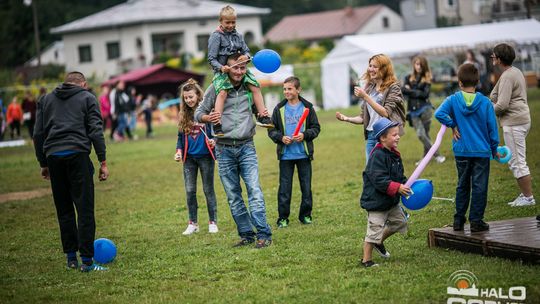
(224, 42)
(195, 148)
(383, 183)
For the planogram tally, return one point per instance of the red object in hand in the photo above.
(301, 121)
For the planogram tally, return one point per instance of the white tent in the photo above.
(353, 52)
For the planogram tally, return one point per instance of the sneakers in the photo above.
(283, 223)
(479, 226)
(191, 228)
(369, 264)
(381, 250)
(265, 122)
(244, 242)
(458, 225)
(440, 159)
(93, 267)
(307, 220)
(212, 227)
(73, 264)
(522, 201)
(218, 131)
(263, 243)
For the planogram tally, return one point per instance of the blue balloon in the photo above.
(422, 193)
(104, 251)
(267, 61)
(506, 154)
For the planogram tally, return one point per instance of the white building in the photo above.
(52, 54)
(131, 34)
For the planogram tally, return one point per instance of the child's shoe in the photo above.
(93, 267)
(440, 159)
(307, 220)
(191, 228)
(265, 122)
(72, 264)
(283, 223)
(218, 131)
(369, 264)
(212, 227)
(479, 226)
(382, 250)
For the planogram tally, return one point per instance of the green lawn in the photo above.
(142, 209)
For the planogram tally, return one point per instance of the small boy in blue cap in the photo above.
(383, 184)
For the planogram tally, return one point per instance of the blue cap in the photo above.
(382, 125)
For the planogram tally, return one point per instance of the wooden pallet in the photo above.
(512, 239)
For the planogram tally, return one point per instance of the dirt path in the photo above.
(24, 195)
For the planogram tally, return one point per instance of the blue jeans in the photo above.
(122, 123)
(473, 178)
(371, 142)
(241, 161)
(206, 166)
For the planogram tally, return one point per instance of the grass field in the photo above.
(142, 209)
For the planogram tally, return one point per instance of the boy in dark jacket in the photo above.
(383, 183)
(294, 150)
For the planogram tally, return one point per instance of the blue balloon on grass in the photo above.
(104, 251)
(267, 61)
(506, 154)
(422, 193)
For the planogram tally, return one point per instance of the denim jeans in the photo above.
(206, 166)
(371, 142)
(122, 123)
(473, 178)
(421, 125)
(241, 161)
(286, 172)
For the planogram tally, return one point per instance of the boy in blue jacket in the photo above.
(471, 117)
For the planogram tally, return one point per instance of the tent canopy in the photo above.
(353, 52)
(157, 79)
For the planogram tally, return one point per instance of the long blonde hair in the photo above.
(425, 74)
(386, 71)
(185, 116)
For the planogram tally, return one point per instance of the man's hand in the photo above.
(45, 173)
(264, 113)
(213, 117)
(404, 190)
(225, 69)
(286, 140)
(103, 172)
(299, 137)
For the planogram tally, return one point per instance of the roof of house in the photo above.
(151, 11)
(328, 24)
(157, 73)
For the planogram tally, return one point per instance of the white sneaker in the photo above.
(524, 201)
(212, 227)
(440, 159)
(191, 228)
(512, 203)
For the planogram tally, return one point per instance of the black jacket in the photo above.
(417, 94)
(311, 128)
(382, 177)
(68, 119)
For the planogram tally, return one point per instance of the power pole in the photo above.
(33, 3)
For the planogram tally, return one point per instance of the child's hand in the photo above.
(242, 58)
(225, 69)
(286, 140)
(455, 133)
(299, 137)
(178, 155)
(211, 143)
(404, 190)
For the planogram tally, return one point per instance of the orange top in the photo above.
(14, 112)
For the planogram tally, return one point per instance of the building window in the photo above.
(170, 43)
(202, 42)
(385, 22)
(85, 53)
(249, 38)
(113, 50)
(450, 3)
(420, 7)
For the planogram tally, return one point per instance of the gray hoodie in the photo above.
(237, 118)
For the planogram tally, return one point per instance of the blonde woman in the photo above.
(382, 98)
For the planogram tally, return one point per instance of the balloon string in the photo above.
(426, 158)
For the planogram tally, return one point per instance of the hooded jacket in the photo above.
(476, 124)
(68, 119)
(311, 127)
